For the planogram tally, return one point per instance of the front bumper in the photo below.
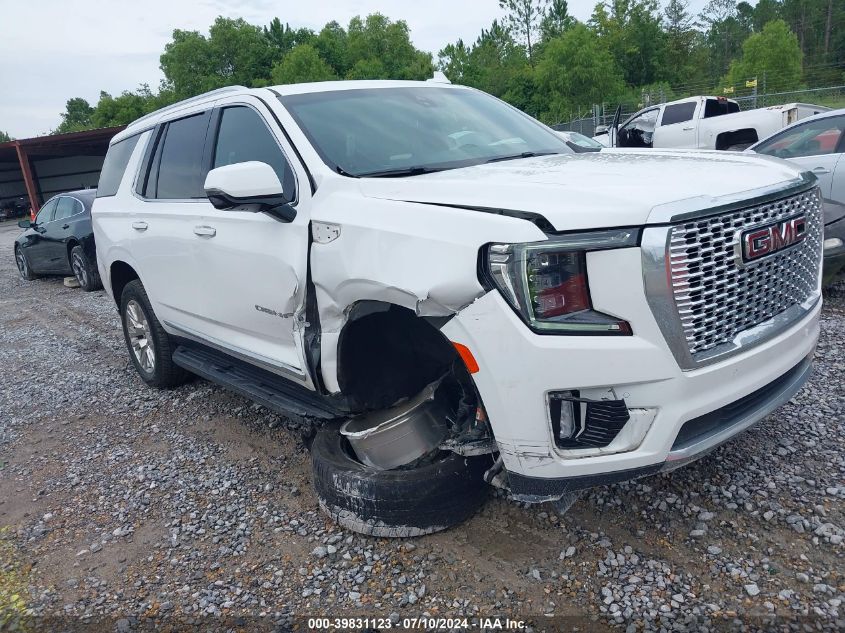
(518, 368)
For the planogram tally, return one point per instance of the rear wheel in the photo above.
(150, 347)
(432, 496)
(23, 265)
(84, 271)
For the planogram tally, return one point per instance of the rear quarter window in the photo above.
(117, 158)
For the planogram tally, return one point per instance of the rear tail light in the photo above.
(546, 282)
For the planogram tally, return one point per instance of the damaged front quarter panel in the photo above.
(415, 256)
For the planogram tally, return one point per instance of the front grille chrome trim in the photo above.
(707, 307)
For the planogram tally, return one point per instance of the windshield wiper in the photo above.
(522, 155)
(398, 173)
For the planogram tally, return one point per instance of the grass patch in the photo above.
(14, 614)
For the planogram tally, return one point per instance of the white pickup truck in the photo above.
(703, 123)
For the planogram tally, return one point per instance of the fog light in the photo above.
(587, 426)
(563, 412)
(832, 242)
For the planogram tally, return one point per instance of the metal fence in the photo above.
(602, 114)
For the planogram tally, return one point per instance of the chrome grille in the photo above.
(716, 298)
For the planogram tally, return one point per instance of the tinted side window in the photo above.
(47, 212)
(67, 207)
(715, 107)
(678, 113)
(810, 139)
(243, 136)
(180, 170)
(115, 164)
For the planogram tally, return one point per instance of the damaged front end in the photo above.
(445, 416)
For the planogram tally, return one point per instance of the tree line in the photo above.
(537, 57)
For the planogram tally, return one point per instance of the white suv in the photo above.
(335, 249)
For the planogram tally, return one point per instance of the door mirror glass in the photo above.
(249, 186)
(26, 224)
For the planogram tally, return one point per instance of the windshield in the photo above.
(410, 131)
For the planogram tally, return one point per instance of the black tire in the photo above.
(84, 270)
(23, 265)
(163, 373)
(395, 503)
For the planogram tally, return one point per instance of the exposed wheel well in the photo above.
(120, 274)
(386, 353)
(745, 137)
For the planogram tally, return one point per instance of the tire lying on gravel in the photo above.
(150, 347)
(421, 500)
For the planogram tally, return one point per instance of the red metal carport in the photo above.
(38, 168)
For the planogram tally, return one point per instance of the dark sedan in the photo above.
(60, 241)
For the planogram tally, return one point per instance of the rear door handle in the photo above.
(139, 226)
(821, 170)
(65, 226)
(205, 231)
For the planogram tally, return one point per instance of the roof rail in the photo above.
(190, 100)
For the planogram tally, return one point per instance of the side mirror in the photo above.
(25, 224)
(600, 129)
(250, 186)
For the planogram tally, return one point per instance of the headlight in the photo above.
(546, 282)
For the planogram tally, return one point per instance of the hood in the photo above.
(603, 189)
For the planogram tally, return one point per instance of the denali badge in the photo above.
(766, 240)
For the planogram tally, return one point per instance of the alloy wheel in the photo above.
(139, 334)
(21, 261)
(79, 270)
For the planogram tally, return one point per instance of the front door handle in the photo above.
(687, 129)
(65, 226)
(821, 170)
(139, 226)
(205, 231)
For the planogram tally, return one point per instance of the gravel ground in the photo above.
(121, 506)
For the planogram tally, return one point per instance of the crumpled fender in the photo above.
(417, 256)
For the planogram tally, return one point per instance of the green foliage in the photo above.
(332, 45)
(128, 106)
(538, 57)
(632, 32)
(301, 65)
(772, 56)
(556, 20)
(378, 48)
(577, 70)
(4, 137)
(524, 19)
(284, 39)
(76, 117)
(494, 64)
(234, 53)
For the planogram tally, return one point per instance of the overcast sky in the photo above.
(53, 50)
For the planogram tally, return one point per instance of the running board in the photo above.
(261, 386)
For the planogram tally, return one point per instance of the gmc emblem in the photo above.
(767, 240)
